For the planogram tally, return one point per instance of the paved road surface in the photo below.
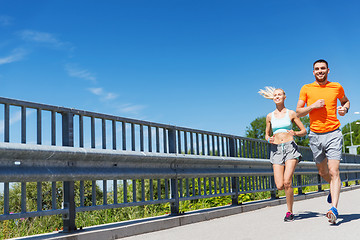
(267, 223)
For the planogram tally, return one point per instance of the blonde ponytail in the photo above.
(267, 93)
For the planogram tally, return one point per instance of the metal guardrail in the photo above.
(145, 162)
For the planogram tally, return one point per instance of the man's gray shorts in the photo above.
(326, 145)
(280, 153)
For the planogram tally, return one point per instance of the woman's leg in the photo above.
(279, 176)
(288, 175)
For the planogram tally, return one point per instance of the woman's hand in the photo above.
(291, 132)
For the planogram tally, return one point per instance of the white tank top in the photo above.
(283, 124)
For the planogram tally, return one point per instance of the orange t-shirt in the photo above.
(323, 119)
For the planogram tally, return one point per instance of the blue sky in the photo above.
(196, 64)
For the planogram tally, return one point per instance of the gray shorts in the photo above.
(326, 145)
(280, 153)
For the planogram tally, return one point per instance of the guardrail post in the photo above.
(234, 180)
(273, 186)
(174, 206)
(68, 186)
(347, 180)
(300, 192)
(272, 180)
(319, 183)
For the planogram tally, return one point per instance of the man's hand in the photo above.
(342, 110)
(319, 103)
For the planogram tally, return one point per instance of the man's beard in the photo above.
(321, 79)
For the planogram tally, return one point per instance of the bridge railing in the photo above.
(63, 150)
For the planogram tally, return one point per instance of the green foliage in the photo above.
(355, 128)
(257, 128)
(303, 141)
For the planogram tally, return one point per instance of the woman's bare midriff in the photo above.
(283, 138)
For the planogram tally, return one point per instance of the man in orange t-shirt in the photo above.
(325, 137)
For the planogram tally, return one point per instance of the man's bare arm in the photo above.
(302, 111)
(345, 105)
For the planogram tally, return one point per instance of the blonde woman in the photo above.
(284, 154)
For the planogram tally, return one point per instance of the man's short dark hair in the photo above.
(321, 61)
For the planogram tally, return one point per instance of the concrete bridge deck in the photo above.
(267, 223)
(261, 220)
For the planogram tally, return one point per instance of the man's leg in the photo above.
(335, 183)
(324, 170)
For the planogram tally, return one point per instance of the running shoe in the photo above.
(329, 198)
(289, 217)
(332, 215)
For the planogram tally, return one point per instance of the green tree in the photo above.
(355, 128)
(303, 141)
(257, 128)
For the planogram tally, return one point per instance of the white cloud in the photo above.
(110, 96)
(16, 55)
(75, 71)
(5, 20)
(131, 108)
(35, 36)
(105, 96)
(96, 91)
(44, 37)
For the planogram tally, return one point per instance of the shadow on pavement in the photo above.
(345, 218)
(306, 215)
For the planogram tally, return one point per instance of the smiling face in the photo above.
(321, 72)
(279, 96)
